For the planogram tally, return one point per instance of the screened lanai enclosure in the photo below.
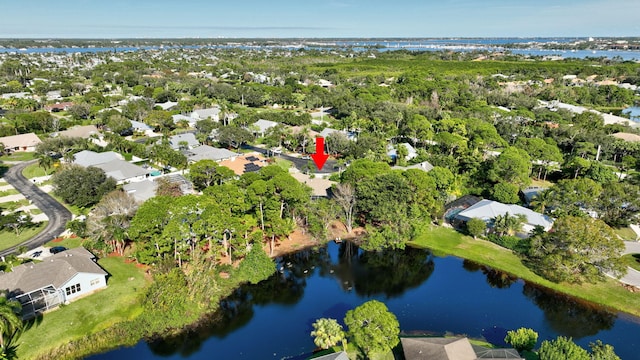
(38, 301)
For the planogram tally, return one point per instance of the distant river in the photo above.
(454, 44)
(272, 320)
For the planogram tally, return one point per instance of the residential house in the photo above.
(411, 151)
(63, 106)
(261, 127)
(54, 95)
(123, 172)
(166, 105)
(250, 162)
(342, 355)
(141, 190)
(88, 158)
(112, 164)
(325, 83)
(178, 118)
(18, 95)
(440, 348)
(84, 132)
(320, 187)
(206, 152)
(487, 210)
(185, 140)
(58, 279)
(142, 128)
(629, 137)
(328, 131)
(22, 142)
(424, 166)
(531, 192)
(210, 113)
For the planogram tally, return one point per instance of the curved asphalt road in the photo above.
(632, 277)
(58, 215)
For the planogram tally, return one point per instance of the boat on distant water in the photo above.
(23, 49)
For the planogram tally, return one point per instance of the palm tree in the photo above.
(507, 224)
(541, 201)
(10, 326)
(327, 333)
(45, 162)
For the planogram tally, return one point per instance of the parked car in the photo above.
(306, 157)
(57, 249)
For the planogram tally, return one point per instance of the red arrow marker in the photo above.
(319, 157)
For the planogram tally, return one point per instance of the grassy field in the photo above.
(9, 192)
(9, 238)
(116, 303)
(74, 209)
(443, 241)
(69, 243)
(34, 170)
(18, 156)
(626, 234)
(284, 164)
(632, 260)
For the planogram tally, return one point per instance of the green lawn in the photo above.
(35, 211)
(284, 164)
(116, 303)
(626, 234)
(9, 192)
(69, 243)
(34, 170)
(9, 238)
(449, 242)
(632, 260)
(541, 183)
(18, 156)
(74, 209)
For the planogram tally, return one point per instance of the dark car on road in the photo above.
(57, 249)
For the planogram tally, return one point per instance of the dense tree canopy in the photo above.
(578, 249)
(81, 186)
(373, 328)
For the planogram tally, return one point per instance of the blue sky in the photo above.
(317, 18)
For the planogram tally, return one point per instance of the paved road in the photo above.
(301, 164)
(632, 247)
(632, 277)
(58, 215)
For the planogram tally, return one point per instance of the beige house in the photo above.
(22, 142)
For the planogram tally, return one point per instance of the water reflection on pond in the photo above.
(427, 293)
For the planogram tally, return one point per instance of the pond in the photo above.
(633, 112)
(428, 294)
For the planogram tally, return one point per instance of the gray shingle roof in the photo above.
(488, 209)
(55, 270)
(121, 170)
(335, 356)
(437, 348)
(206, 152)
(191, 140)
(91, 158)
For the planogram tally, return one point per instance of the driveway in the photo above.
(58, 215)
(300, 164)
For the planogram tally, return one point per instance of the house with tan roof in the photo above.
(627, 137)
(441, 348)
(250, 162)
(22, 142)
(84, 132)
(320, 187)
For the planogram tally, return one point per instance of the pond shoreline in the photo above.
(609, 294)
